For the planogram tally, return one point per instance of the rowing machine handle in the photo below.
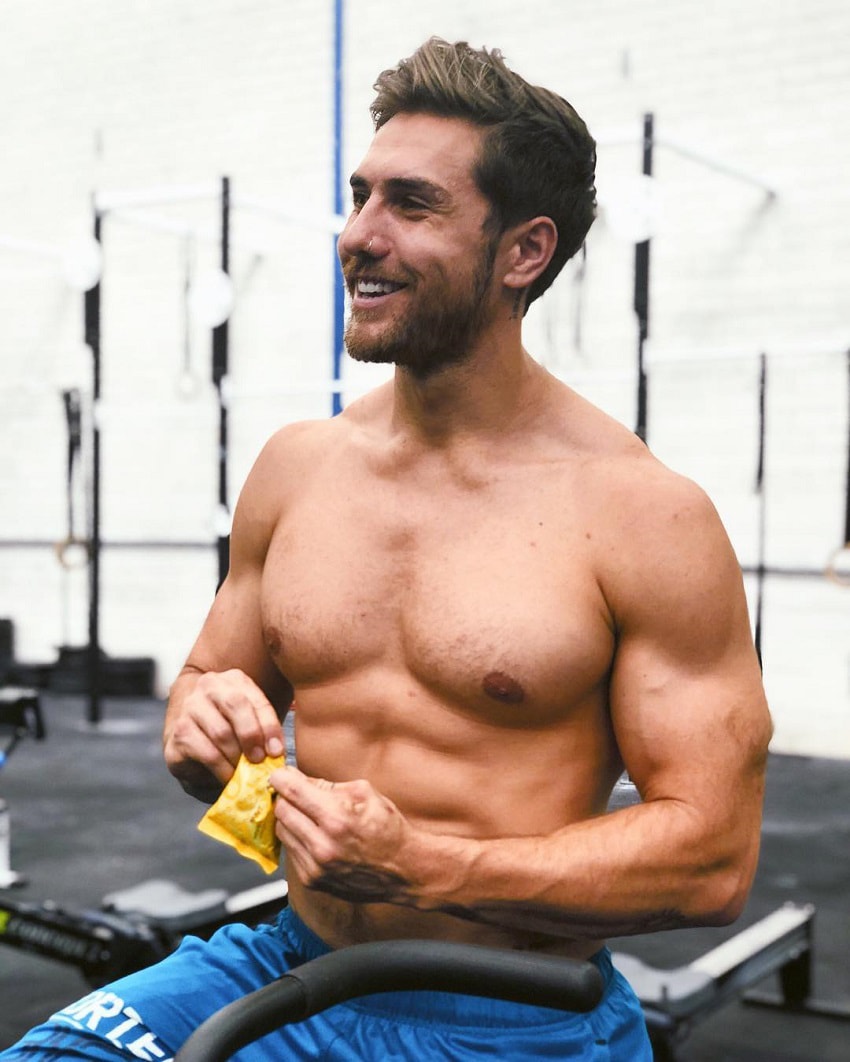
(388, 966)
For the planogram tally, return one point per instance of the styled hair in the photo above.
(538, 157)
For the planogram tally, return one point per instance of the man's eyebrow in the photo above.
(401, 186)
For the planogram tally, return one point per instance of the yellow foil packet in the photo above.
(243, 816)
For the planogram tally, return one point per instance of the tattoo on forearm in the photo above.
(360, 884)
(540, 918)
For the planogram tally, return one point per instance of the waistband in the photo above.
(444, 1007)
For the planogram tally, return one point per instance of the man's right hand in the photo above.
(212, 719)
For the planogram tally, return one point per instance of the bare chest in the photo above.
(485, 598)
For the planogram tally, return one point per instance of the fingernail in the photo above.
(275, 746)
(257, 755)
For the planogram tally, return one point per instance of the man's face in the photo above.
(417, 261)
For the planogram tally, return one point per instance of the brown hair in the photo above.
(538, 157)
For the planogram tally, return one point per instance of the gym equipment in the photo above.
(640, 234)
(395, 965)
(20, 717)
(673, 1001)
(136, 927)
(73, 550)
(127, 205)
(133, 928)
(640, 302)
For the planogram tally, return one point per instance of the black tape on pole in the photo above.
(73, 418)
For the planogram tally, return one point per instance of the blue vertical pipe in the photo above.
(338, 286)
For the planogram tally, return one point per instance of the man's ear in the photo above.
(530, 246)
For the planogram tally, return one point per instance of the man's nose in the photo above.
(362, 236)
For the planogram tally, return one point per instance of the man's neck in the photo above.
(490, 392)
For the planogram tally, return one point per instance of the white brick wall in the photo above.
(103, 95)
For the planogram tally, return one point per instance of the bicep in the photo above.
(687, 701)
(232, 637)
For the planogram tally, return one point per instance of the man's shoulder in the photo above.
(658, 527)
(630, 492)
(298, 450)
(649, 495)
(307, 436)
(618, 459)
(303, 442)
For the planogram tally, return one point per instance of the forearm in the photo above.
(659, 865)
(647, 868)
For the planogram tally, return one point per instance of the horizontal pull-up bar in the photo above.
(686, 356)
(34, 247)
(623, 135)
(688, 152)
(158, 195)
(305, 218)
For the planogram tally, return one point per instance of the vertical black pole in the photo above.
(219, 372)
(762, 515)
(91, 328)
(641, 299)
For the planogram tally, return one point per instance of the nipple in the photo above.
(502, 687)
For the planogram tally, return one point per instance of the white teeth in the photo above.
(375, 287)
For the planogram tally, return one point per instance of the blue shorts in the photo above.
(148, 1015)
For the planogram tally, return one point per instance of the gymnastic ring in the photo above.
(73, 553)
(832, 573)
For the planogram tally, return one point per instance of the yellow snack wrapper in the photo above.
(243, 816)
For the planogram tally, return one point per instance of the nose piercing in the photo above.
(369, 245)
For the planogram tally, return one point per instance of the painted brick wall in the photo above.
(101, 96)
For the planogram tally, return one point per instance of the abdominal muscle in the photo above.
(452, 773)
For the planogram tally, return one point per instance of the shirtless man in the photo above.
(485, 598)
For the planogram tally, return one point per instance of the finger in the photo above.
(203, 770)
(214, 729)
(314, 797)
(305, 841)
(202, 736)
(320, 816)
(250, 715)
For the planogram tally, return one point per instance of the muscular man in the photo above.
(484, 598)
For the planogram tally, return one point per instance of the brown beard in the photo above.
(436, 332)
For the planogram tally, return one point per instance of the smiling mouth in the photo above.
(374, 288)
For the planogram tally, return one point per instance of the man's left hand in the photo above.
(343, 838)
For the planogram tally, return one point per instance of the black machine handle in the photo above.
(388, 966)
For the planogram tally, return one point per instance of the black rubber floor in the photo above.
(94, 810)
